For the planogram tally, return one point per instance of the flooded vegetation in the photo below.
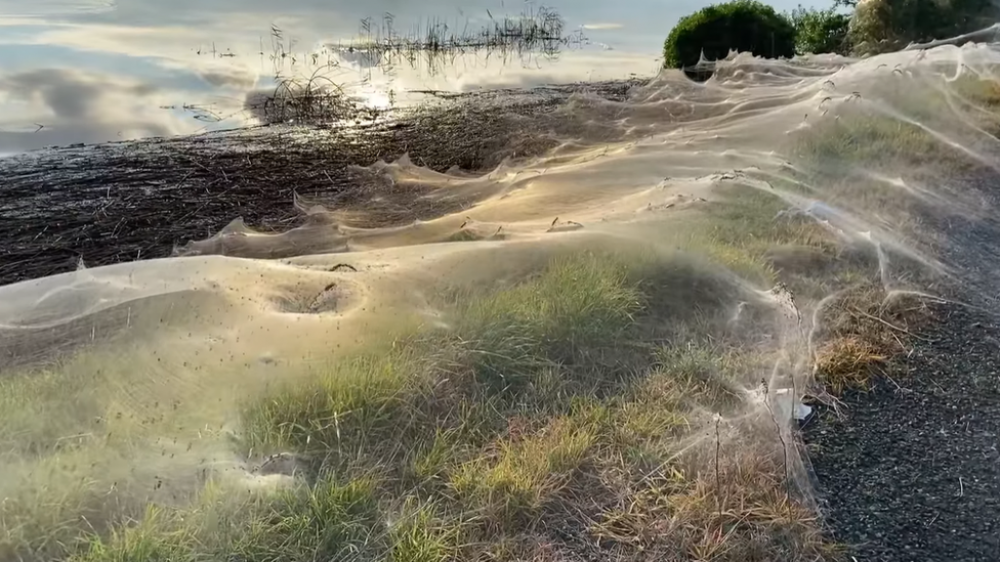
(307, 91)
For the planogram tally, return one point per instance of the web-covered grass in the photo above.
(620, 405)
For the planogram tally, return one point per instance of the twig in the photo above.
(891, 325)
(718, 477)
(781, 438)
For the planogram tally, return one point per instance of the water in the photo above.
(97, 71)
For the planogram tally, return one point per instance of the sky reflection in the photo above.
(98, 70)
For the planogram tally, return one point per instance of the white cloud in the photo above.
(602, 26)
(128, 40)
(78, 106)
(10, 20)
(221, 73)
(58, 7)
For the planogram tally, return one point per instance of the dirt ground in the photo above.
(124, 201)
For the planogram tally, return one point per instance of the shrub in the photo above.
(820, 31)
(742, 25)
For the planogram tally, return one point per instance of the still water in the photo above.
(97, 70)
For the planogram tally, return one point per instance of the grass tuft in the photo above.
(149, 540)
(420, 535)
(328, 521)
(359, 400)
(512, 483)
(859, 333)
(848, 362)
(575, 312)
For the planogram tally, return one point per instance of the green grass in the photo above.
(420, 535)
(86, 444)
(330, 520)
(529, 346)
(368, 396)
(147, 540)
(325, 520)
(510, 487)
(65, 444)
(743, 227)
(571, 315)
(751, 233)
(868, 138)
(551, 407)
(34, 408)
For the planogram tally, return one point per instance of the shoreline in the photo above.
(123, 201)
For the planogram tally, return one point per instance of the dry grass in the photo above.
(436, 43)
(849, 362)
(862, 331)
(669, 515)
(313, 100)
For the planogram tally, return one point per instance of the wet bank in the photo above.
(116, 202)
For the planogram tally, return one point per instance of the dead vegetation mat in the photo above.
(116, 202)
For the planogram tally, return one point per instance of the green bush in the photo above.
(820, 31)
(742, 25)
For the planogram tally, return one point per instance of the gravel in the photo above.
(912, 472)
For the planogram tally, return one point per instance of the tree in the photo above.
(820, 31)
(741, 25)
(886, 25)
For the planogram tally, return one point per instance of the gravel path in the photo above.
(912, 474)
